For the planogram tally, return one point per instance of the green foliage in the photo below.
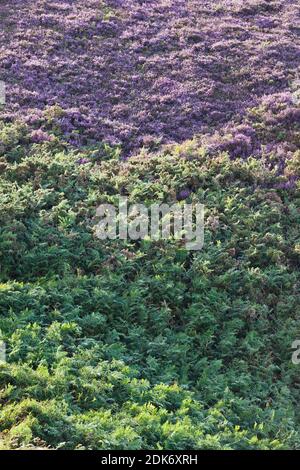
(144, 345)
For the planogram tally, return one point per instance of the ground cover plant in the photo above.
(145, 345)
(141, 72)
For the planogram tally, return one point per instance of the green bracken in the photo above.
(145, 345)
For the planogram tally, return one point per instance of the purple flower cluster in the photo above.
(38, 136)
(135, 72)
(184, 194)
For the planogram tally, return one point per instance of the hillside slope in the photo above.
(144, 344)
(129, 345)
(143, 72)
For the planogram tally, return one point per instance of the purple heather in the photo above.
(139, 73)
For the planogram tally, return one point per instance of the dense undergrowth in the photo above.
(145, 345)
(139, 72)
(129, 345)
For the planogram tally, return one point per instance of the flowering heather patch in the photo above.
(143, 344)
(138, 73)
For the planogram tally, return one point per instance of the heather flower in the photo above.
(39, 136)
(183, 194)
(83, 161)
(155, 68)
